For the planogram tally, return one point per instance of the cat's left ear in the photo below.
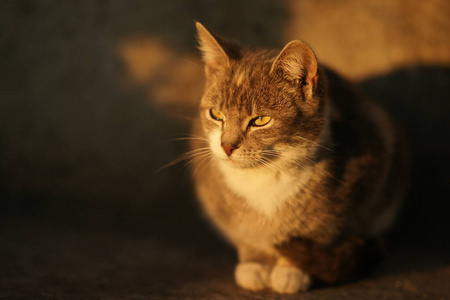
(298, 63)
(213, 53)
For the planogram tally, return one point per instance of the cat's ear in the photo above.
(298, 63)
(213, 53)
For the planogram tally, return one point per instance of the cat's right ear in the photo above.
(298, 63)
(213, 54)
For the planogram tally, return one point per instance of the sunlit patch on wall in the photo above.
(171, 79)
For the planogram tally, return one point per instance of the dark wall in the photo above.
(91, 92)
(87, 91)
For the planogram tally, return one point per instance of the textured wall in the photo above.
(91, 90)
(85, 91)
(369, 38)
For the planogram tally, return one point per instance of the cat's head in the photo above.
(260, 106)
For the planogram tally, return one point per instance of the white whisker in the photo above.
(295, 162)
(314, 143)
(207, 158)
(316, 165)
(185, 156)
(190, 138)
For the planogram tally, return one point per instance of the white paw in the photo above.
(251, 276)
(289, 280)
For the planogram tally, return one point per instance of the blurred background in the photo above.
(92, 94)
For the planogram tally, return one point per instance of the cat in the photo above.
(300, 172)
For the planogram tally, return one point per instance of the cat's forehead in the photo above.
(245, 92)
(248, 86)
(252, 69)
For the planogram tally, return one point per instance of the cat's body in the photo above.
(322, 177)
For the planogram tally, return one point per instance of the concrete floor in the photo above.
(52, 262)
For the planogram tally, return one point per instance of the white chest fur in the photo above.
(263, 188)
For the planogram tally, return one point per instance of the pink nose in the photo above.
(228, 149)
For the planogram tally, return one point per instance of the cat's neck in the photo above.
(266, 188)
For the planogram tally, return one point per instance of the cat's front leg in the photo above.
(253, 270)
(288, 279)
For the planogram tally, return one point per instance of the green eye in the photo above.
(260, 121)
(216, 115)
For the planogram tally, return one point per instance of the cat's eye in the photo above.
(216, 115)
(260, 121)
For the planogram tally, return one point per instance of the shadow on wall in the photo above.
(417, 97)
(80, 139)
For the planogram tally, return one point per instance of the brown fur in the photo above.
(348, 164)
(343, 260)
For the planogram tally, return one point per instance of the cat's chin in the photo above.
(241, 164)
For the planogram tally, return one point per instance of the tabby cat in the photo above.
(297, 169)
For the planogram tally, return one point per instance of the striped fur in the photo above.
(324, 178)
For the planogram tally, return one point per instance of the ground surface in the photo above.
(46, 262)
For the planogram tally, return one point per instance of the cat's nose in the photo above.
(228, 149)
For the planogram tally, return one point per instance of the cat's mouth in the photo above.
(236, 161)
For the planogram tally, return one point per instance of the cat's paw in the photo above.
(252, 276)
(288, 279)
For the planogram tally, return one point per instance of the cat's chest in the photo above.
(264, 189)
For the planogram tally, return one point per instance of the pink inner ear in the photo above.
(311, 69)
